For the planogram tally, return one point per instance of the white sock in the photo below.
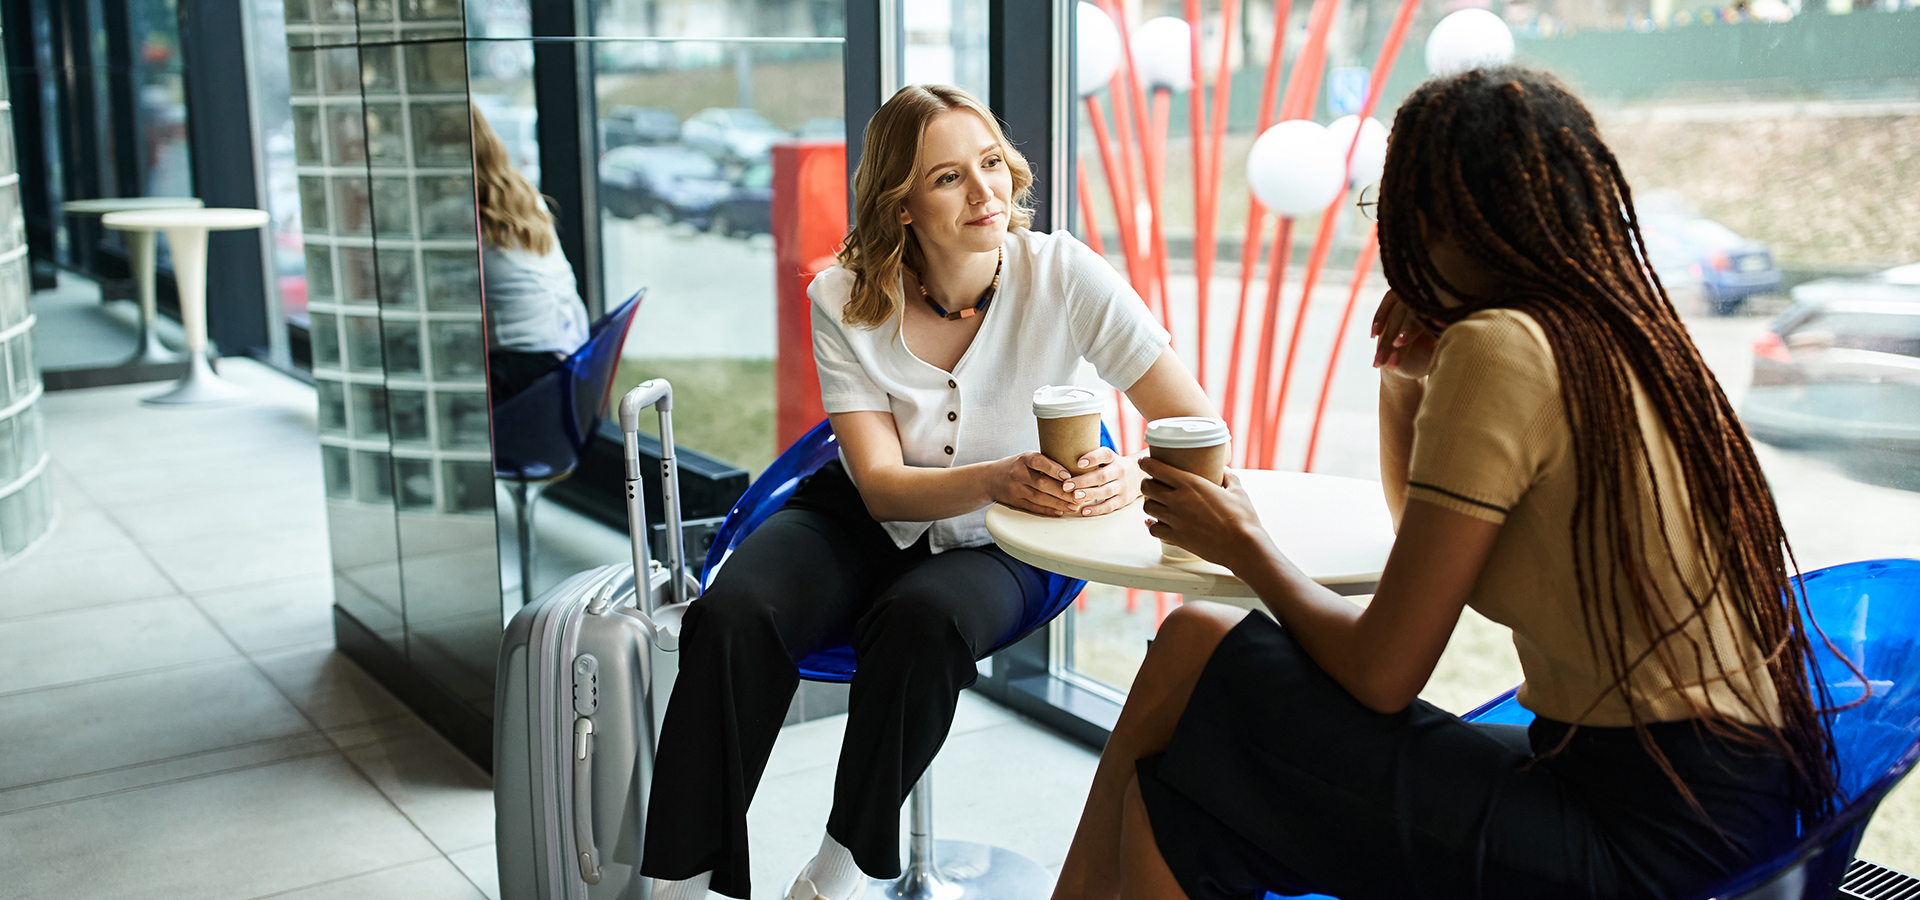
(694, 888)
(833, 871)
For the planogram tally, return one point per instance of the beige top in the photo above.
(1491, 440)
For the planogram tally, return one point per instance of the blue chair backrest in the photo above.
(539, 432)
(1871, 612)
(771, 491)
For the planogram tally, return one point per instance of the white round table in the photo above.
(1335, 529)
(187, 236)
(140, 260)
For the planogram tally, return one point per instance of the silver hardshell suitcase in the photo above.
(583, 675)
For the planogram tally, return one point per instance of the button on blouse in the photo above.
(1059, 304)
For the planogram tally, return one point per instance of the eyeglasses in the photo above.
(1369, 202)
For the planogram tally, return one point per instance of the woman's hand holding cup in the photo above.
(1216, 522)
(1032, 482)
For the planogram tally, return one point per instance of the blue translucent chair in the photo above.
(539, 433)
(1871, 612)
(973, 870)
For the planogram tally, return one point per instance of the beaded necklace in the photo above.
(986, 297)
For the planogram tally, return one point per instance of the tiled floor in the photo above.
(175, 723)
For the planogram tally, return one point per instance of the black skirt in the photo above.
(1277, 779)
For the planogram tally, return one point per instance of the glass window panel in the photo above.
(160, 100)
(434, 68)
(352, 207)
(357, 281)
(469, 486)
(372, 477)
(336, 469)
(441, 134)
(396, 279)
(340, 71)
(346, 135)
(14, 536)
(462, 420)
(453, 279)
(333, 405)
(379, 70)
(369, 410)
(372, 11)
(39, 506)
(299, 12)
(414, 481)
(403, 346)
(306, 136)
(386, 138)
(326, 341)
(333, 12)
(392, 209)
(313, 204)
(13, 293)
(29, 433)
(459, 349)
(20, 359)
(409, 414)
(363, 343)
(446, 207)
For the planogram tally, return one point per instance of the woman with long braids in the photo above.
(1557, 456)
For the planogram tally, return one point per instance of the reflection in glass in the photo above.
(333, 406)
(408, 410)
(463, 421)
(396, 278)
(9, 456)
(379, 70)
(313, 204)
(469, 486)
(339, 70)
(372, 477)
(440, 134)
(357, 281)
(306, 136)
(413, 482)
(446, 207)
(403, 347)
(386, 138)
(459, 349)
(300, 71)
(363, 343)
(346, 135)
(352, 208)
(319, 273)
(392, 209)
(326, 343)
(430, 10)
(453, 279)
(369, 410)
(335, 469)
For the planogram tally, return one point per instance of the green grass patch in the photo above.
(721, 407)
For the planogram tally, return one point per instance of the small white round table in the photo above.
(187, 236)
(1337, 530)
(140, 259)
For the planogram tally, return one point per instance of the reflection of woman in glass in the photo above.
(944, 316)
(534, 315)
(1556, 455)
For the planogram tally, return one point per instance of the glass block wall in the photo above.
(384, 159)
(25, 507)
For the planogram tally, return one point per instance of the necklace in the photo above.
(986, 296)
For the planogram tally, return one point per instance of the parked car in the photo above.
(1685, 249)
(1839, 372)
(748, 209)
(674, 183)
(732, 136)
(822, 129)
(629, 126)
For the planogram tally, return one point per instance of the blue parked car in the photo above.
(1687, 249)
(748, 210)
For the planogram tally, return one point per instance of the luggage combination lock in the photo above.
(586, 684)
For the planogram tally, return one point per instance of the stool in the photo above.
(140, 252)
(187, 234)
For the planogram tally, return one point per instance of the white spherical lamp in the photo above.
(1370, 155)
(1294, 168)
(1097, 48)
(1163, 52)
(1468, 39)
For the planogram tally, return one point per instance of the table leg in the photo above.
(140, 253)
(201, 385)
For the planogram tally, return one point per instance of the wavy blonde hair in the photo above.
(513, 215)
(878, 244)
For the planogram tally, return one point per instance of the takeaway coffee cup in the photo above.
(1195, 444)
(1069, 420)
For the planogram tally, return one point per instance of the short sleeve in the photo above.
(845, 385)
(1490, 418)
(1110, 324)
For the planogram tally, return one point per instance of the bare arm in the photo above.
(1382, 654)
(1402, 353)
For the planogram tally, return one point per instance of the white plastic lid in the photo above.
(1186, 431)
(1058, 401)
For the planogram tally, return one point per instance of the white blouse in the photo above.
(1059, 303)
(532, 305)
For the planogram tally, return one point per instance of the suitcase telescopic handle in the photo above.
(658, 394)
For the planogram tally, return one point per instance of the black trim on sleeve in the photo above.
(1457, 496)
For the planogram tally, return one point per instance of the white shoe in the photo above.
(804, 890)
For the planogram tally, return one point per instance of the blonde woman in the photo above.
(535, 317)
(931, 335)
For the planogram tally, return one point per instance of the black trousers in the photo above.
(819, 573)
(1277, 779)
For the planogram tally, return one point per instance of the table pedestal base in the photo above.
(967, 871)
(200, 386)
(150, 351)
